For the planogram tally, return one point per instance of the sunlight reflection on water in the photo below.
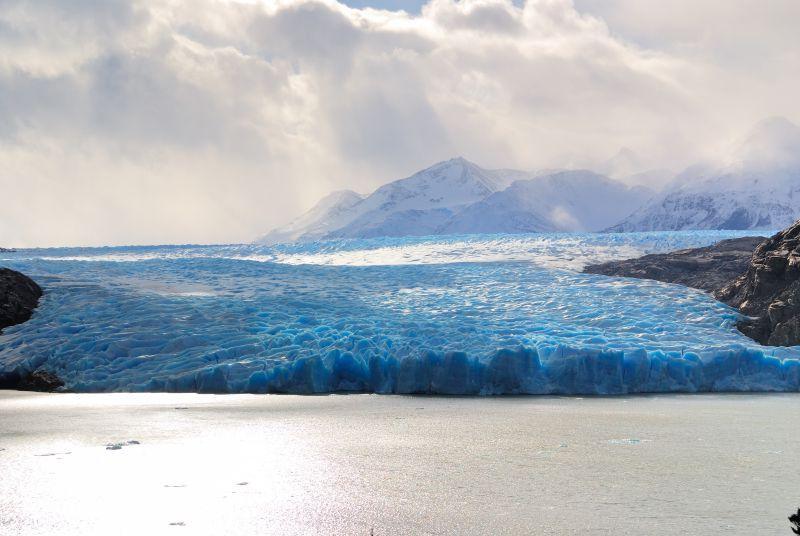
(242, 464)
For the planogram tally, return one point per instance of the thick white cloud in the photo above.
(213, 120)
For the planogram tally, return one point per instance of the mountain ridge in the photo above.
(756, 187)
(455, 196)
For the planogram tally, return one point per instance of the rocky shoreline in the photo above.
(708, 268)
(19, 296)
(769, 291)
(759, 276)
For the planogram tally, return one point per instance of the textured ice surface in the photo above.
(464, 315)
(556, 250)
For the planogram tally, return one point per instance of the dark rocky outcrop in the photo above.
(760, 277)
(770, 290)
(708, 268)
(19, 296)
(39, 380)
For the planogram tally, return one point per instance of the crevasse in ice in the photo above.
(487, 314)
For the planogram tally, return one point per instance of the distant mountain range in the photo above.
(758, 188)
(459, 197)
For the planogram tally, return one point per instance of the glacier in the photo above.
(456, 315)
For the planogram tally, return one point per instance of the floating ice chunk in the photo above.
(628, 441)
(118, 446)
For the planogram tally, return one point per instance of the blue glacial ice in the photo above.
(490, 314)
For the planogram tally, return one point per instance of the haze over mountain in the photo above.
(321, 219)
(564, 201)
(459, 197)
(627, 166)
(758, 187)
(420, 204)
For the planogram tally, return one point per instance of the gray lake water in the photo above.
(240, 464)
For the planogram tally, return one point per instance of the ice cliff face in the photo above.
(758, 188)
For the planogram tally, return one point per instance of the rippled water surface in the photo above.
(349, 465)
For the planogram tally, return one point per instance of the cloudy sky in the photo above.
(207, 121)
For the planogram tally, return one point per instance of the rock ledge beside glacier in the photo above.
(707, 268)
(769, 290)
(19, 296)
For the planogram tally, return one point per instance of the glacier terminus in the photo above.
(477, 314)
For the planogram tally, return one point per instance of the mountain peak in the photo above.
(318, 220)
(626, 153)
(338, 195)
(623, 164)
(775, 125)
(456, 161)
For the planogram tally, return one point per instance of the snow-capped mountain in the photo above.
(416, 205)
(623, 164)
(564, 201)
(458, 196)
(419, 204)
(628, 167)
(330, 213)
(757, 188)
